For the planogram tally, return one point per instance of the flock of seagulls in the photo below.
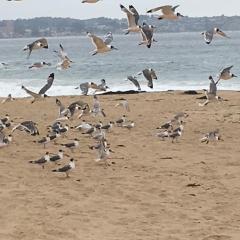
(172, 129)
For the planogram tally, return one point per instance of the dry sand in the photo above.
(145, 195)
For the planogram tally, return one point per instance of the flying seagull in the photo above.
(41, 94)
(147, 35)
(65, 60)
(132, 17)
(149, 74)
(208, 35)
(108, 38)
(101, 46)
(168, 12)
(226, 74)
(39, 65)
(40, 43)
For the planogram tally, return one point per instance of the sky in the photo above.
(111, 9)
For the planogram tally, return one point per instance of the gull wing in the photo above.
(135, 82)
(133, 10)
(208, 36)
(167, 9)
(64, 168)
(130, 16)
(97, 42)
(33, 94)
(50, 80)
(42, 42)
(221, 33)
(226, 70)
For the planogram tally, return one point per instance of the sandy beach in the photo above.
(155, 190)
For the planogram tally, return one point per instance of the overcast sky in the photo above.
(110, 8)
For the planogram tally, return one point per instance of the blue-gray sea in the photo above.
(182, 61)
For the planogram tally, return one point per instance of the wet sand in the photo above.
(155, 190)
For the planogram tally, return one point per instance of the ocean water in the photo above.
(182, 61)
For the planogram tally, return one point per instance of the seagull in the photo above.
(73, 145)
(124, 103)
(168, 125)
(108, 126)
(128, 125)
(90, 1)
(147, 35)
(78, 105)
(39, 65)
(41, 94)
(108, 38)
(65, 60)
(67, 168)
(212, 86)
(40, 43)
(175, 135)
(225, 74)
(8, 99)
(210, 97)
(121, 121)
(102, 86)
(28, 127)
(164, 134)
(132, 17)
(101, 47)
(211, 136)
(57, 157)
(149, 74)
(42, 161)
(86, 86)
(208, 35)
(168, 12)
(97, 110)
(134, 81)
(83, 126)
(62, 110)
(4, 141)
(44, 141)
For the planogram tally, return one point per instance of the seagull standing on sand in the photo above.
(208, 35)
(168, 12)
(42, 161)
(40, 43)
(41, 94)
(132, 17)
(134, 81)
(211, 136)
(67, 168)
(97, 110)
(226, 74)
(72, 145)
(124, 103)
(8, 99)
(101, 46)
